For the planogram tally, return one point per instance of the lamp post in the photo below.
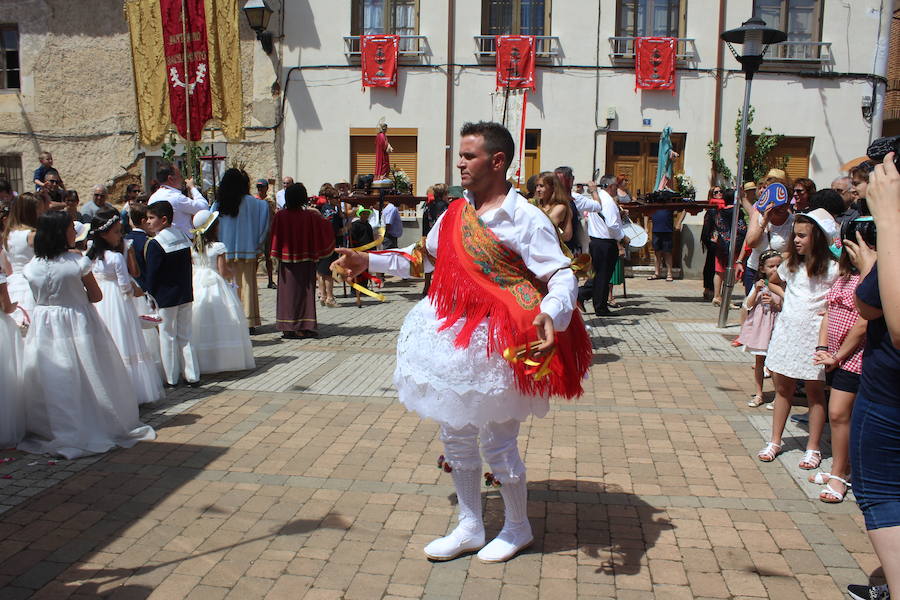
(755, 38)
(258, 14)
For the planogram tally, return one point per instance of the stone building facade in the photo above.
(75, 97)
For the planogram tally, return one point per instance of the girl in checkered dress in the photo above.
(841, 342)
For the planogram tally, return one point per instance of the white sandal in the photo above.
(820, 478)
(770, 452)
(813, 458)
(756, 400)
(830, 495)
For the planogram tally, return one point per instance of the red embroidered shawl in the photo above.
(301, 235)
(477, 277)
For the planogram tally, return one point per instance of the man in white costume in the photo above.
(491, 342)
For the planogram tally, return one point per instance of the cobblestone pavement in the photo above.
(305, 478)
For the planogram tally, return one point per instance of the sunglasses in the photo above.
(798, 191)
(99, 195)
(717, 192)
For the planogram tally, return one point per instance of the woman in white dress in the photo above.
(219, 331)
(19, 245)
(81, 399)
(808, 273)
(12, 407)
(117, 308)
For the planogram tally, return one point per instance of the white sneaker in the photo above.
(461, 540)
(512, 539)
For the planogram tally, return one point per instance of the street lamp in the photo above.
(258, 14)
(755, 38)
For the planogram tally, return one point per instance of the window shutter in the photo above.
(796, 150)
(404, 157)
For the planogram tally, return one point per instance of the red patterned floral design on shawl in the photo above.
(476, 277)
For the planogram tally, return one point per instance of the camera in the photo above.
(864, 225)
(878, 149)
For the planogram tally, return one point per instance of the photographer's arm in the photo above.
(883, 198)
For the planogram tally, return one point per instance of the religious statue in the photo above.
(383, 149)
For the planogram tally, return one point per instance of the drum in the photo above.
(636, 234)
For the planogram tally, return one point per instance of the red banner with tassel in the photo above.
(654, 63)
(515, 61)
(378, 57)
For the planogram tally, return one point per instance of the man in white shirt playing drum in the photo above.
(170, 182)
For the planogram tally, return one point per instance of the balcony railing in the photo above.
(411, 46)
(799, 52)
(621, 49)
(546, 46)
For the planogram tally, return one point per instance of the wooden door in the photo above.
(531, 157)
(636, 155)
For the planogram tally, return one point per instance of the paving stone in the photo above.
(305, 478)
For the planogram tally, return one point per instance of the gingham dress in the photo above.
(842, 314)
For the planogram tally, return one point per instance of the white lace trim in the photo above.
(456, 386)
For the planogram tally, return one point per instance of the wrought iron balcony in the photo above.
(621, 49)
(546, 46)
(411, 46)
(799, 52)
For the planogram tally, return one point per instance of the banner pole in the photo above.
(187, 78)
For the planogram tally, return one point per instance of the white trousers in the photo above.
(175, 344)
(499, 448)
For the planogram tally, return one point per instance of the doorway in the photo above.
(635, 156)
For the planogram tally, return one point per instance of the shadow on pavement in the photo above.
(86, 514)
(612, 527)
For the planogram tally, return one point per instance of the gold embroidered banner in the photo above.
(219, 64)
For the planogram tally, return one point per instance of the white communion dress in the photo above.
(219, 330)
(19, 254)
(117, 309)
(12, 406)
(465, 386)
(81, 400)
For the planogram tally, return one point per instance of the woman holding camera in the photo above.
(875, 427)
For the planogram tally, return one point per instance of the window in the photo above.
(11, 170)
(650, 18)
(515, 17)
(791, 154)
(9, 57)
(397, 17)
(800, 19)
(404, 157)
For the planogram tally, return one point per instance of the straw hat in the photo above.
(776, 174)
(203, 220)
(81, 231)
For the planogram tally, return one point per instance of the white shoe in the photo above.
(513, 538)
(461, 540)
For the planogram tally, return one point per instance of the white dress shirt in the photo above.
(524, 229)
(605, 224)
(184, 208)
(279, 199)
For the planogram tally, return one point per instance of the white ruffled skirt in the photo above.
(118, 311)
(456, 386)
(81, 400)
(12, 400)
(219, 332)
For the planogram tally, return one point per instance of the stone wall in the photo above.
(77, 95)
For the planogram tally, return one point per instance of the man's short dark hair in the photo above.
(137, 213)
(496, 138)
(160, 209)
(828, 199)
(565, 172)
(164, 171)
